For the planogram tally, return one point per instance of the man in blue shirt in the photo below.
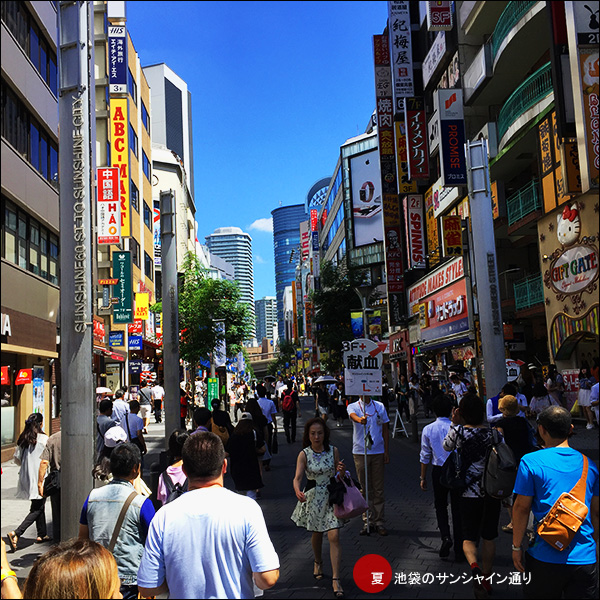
(543, 476)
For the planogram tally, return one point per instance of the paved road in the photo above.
(411, 547)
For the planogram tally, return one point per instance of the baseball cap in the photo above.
(246, 416)
(114, 436)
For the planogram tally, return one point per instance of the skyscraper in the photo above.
(235, 246)
(266, 317)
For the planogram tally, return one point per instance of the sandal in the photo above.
(507, 528)
(12, 540)
(339, 593)
(318, 570)
(42, 540)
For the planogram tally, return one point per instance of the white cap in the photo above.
(246, 416)
(115, 436)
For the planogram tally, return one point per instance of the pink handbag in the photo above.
(354, 502)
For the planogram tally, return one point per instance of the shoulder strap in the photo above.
(168, 481)
(115, 535)
(579, 490)
(127, 423)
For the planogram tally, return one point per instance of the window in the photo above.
(133, 140)
(148, 267)
(135, 251)
(147, 217)
(146, 165)
(145, 118)
(131, 86)
(134, 196)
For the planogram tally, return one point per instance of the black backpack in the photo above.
(500, 469)
(174, 490)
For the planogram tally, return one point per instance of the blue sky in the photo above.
(276, 88)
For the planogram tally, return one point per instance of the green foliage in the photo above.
(286, 351)
(202, 301)
(333, 303)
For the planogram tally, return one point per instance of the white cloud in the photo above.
(259, 260)
(263, 225)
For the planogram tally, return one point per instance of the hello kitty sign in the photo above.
(568, 225)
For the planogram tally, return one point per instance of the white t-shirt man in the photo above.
(376, 417)
(207, 544)
(268, 408)
(158, 392)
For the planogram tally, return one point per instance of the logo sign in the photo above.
(401, 49)
(109, 206)
(416, 137)
(108, 281)
(116, 338)
(452, 235)
(416, 231)
(135, 342)
(574, 270)
(453, 161)
(123, 291)
(117, 59)
(135, 367)
(586, 23)
(5, 376)
(142, 309)
(23, 377)
(135, 328)
(119, 153)
(439, 16)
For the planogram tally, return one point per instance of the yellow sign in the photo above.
(452, 235)
(433, 244)
(405, 185)
(423, 316)
(119, 155)
(142, 305)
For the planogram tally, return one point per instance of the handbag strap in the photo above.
(127, 423)
(579, 490)
(115, 535)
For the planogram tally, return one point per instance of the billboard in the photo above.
(117, 59)
(109, 208)
(415, 228)
(366, 199)
(119, 154)
(123, 291)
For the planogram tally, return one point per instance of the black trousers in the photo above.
(269, 441)
(440, 495)
(36, 515)
(55, 505)
(158, 410)
(289, 422)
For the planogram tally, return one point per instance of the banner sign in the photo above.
(416, 231)
(433, 243)
(447, 312)
(401, 50)
(445, 275)
(314, 219)
(23, 377)
(453, 160)
(119, 154)
(116, 338)
(156, 236)
(362, 367)
(117, 59)
(304, 240)
(5, 376)
(108, 281)
(135, 367)
(439, 16)
(123, 291)
(135, 342)
(108, 206)
(589, 64)
(434, 57)
(142, 309)
(416, 138)
(452, 235)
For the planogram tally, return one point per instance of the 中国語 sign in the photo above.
(123, 291)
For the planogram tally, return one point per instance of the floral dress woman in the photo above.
(315, 514)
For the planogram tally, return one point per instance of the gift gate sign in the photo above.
(574, 270)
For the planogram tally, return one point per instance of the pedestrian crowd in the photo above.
(511, 453)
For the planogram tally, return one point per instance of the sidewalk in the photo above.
(411, 546)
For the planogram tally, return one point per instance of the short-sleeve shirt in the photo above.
(207, 544)
(177, 476)
(158, 392)
(268, 408)
(376, 417)
(135, 423)
(51, 452)
(544, 475)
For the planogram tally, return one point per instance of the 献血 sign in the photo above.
(362, 367)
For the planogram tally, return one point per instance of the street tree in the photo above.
(286, 351)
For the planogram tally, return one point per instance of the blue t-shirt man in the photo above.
(544, 476)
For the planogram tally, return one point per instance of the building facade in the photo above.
(30, 227)
(266, 318)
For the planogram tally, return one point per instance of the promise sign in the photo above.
(119, 152)
(109, 207)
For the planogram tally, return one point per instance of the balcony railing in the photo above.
(511, 15)
(533, 90)
(529, 292)
(523, 202)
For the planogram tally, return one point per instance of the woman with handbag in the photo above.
(479, 513)
(30, 445)
(319, 461)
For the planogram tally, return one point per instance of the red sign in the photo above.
(445, 275)
(439, 16)
(24, 376)
(108, 281)
(416, 231)
(109, 207)
(5, 377)
(416, 138)
(99, 331)
(136, 328)
(314, 219)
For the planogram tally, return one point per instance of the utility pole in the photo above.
(76, 107)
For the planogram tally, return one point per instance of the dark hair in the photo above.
(308, 425)
(106, 406)
(539, 390)
(203, 455)
(253, 407)
(245, 426)
(33, 426)
(261, 390)
(215, 404)
(176, 441)
(123, 459)
(556, 420)
(509, 389)
(289, 384)
(442, 405)
(202, 416)
(471, 409)
(134, 406)
(119, 394)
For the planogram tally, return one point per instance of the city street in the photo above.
(411, 546)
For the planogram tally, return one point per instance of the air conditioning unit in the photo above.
(490, 132)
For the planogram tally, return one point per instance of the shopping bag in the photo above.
(354, 503)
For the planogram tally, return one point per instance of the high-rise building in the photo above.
(171, 116)
(30, 223)
(266, 317)
(286, 246)
(235, 246)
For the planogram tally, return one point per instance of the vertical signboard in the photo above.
(453, 162)
(433, 244)
(405, 184)
(401, 50)
(314, 229)
(366, 199)
(416, 137)
(439, 16)
(142, 306)
(416, 231)
(119, 153)
(392, 224)
(304, 240)
(123, 291)
(452, 235)
(117, 59)
(590, 72)
(109, 206)
(156, 235)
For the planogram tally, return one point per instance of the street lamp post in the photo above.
(364, 292)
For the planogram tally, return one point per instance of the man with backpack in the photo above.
(290, 406)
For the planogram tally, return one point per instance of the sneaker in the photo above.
(445, 548)
(589, 426)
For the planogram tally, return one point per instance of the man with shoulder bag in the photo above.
(145, 400)
(560, 486)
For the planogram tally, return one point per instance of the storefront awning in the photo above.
(445, 343)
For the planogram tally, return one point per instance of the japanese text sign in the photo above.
(123, 291)
(452, 235)
(109, 206)
(416, 137)
(401, 49)
(117, 59)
